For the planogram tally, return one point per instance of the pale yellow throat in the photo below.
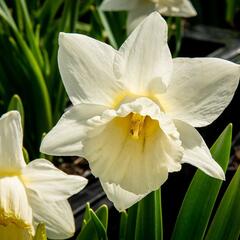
(14, 228)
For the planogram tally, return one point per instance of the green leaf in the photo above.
(107, 28)
(25, 155)
(102, 214)
(226, 221)
(19, 16)
(85, 6)
(131, 223)
(5, 14)
(16, 104)
(88, 232)
(47, 12)
(101, 231)
(92, 228)
(232, 6)
(123, 226)
(178, 36)
(39, 92)
(149, 217)
(30, 33)
(86, 216)
(200, 198)
(40, 232)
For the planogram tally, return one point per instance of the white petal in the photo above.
(196, 151)
(138, 14)
(14, 203)
(65, 139)
(177, 8)
(118, 5)
(144, 60)
(201, 88)
(86, 67)
(137, 165)
(11, 137)
(121, 198)
(57, 216)
(50, 183)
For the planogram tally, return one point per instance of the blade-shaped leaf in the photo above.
(123, 226)
(92, 227)
(86, 216)
(25, 155)
(131, 223)
(200, 198)
(232, 6)
(102, 214)
(30, 34)
(16, 104)
(149, 217)
(226, 222)
(5, 14)
(101, 231)
(107, 28)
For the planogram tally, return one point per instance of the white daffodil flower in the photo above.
(135, 109)
(140, 9)
(33, 193)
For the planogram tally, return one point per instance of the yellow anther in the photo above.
(136, 125)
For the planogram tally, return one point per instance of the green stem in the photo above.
(107, 28)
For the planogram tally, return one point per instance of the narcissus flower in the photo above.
(139, 9)
(33, 193)
(135, 109)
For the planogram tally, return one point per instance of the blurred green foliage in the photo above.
(219, 13)
(28, 58)
(232, 8)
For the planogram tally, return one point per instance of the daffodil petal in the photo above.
(144, 61)
(11, 138)
(65, 139)
(196, 151)
(118, 5)
(157, 152)
(14, 205)
(50, 183)
(121, 198)
(201, 88)
(57, 216)
(177, 8)
(87, 77)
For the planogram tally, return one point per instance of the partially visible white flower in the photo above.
(135, 109)
(33, 193)
(140, 9)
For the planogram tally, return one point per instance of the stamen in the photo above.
(136, 125)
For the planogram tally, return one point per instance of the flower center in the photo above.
(14, 228)
(136, 125)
